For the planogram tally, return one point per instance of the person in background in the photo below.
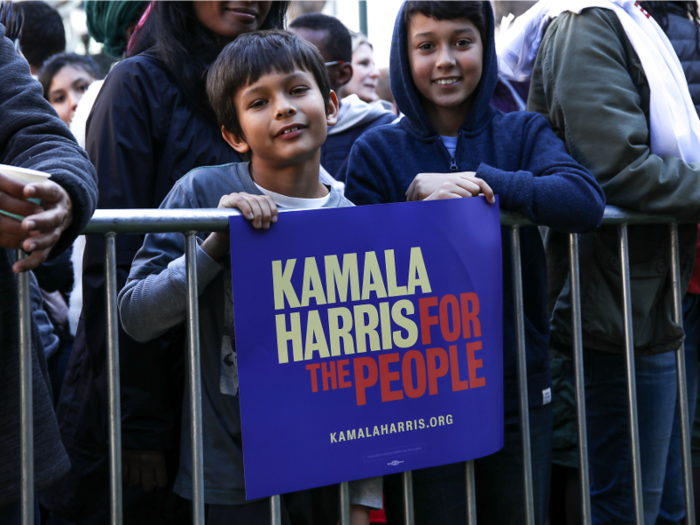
(645, 153)
(65, 78)
(43, 34)
(113, 23)
(365, 74)
(356, 116)
(151, 124)
(680, 22)
(31, 136)
(384, 90)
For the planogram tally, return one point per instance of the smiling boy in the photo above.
(271, 94)
(452, 144)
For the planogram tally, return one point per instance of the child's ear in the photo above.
(332, 109)
(236, 142)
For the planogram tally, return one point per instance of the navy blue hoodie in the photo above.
(522, 160)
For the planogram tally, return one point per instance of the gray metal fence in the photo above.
(112, 222)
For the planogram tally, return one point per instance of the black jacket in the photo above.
(142, 136)
(683, 34)
(32, 136)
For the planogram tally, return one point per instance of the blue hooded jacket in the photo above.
(522, 160)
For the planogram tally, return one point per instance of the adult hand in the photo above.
(12, 200)
(44, 226)
(144, 468)
(432, 186)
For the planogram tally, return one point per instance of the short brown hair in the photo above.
(252, 55)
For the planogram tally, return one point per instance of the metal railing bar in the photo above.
(275, 510)
(471, 492)
(522, 374)
(344, 503)
(631, 380)
(115, 419)
(209, 220)
(26, 395)
(195, 377)
(586, 517)
(685, 417)
(408, 514)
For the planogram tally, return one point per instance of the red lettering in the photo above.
(427, 320)
(362, 382)
(313, 368)
(457, 383)
(328, 372)
(343, 373)
(435, 371)
(386, 377)
(470, 316)
(474, 364)
(451, 302)
(407, 372)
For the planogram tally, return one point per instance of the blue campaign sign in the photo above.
(369, 341)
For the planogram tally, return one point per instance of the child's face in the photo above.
(283, 117)
(446, 60)
(67, 88)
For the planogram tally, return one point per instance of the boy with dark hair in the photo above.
(334, 42)
(272, 96)
(43, 34)
(452, 144)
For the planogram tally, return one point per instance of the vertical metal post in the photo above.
(362, 5)
(682, 381)
(579, 380)
(26, 395)
(345, 503)
(195, 377)
(409, 518)
(275, 510)
(115, 434)
(631, 380)
(522, 374)
(471, 493)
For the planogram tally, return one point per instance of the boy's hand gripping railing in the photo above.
(111, 222)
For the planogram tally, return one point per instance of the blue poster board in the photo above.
(369, 341)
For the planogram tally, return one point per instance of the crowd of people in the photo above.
(572, 105)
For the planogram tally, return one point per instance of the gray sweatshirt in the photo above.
(154, 300)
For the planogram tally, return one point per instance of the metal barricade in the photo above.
(112, 222)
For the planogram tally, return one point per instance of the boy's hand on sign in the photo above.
(260, 210)
(431, 186)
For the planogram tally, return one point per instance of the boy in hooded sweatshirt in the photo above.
(452, 144)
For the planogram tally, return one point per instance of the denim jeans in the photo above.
(609, 456)
(439, 492)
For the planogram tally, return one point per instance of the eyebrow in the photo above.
(458, 31)
(290, 77)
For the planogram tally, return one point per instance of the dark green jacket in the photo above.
(589, 83)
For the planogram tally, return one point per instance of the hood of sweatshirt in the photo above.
(355, 112)
(408, 98)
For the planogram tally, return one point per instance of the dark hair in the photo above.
(450, 10)
(57, 62)
(659, 10)
(338, 42)
(253, 55)
(175, 34)
(43, 34)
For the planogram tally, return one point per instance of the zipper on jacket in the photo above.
(453, 159)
